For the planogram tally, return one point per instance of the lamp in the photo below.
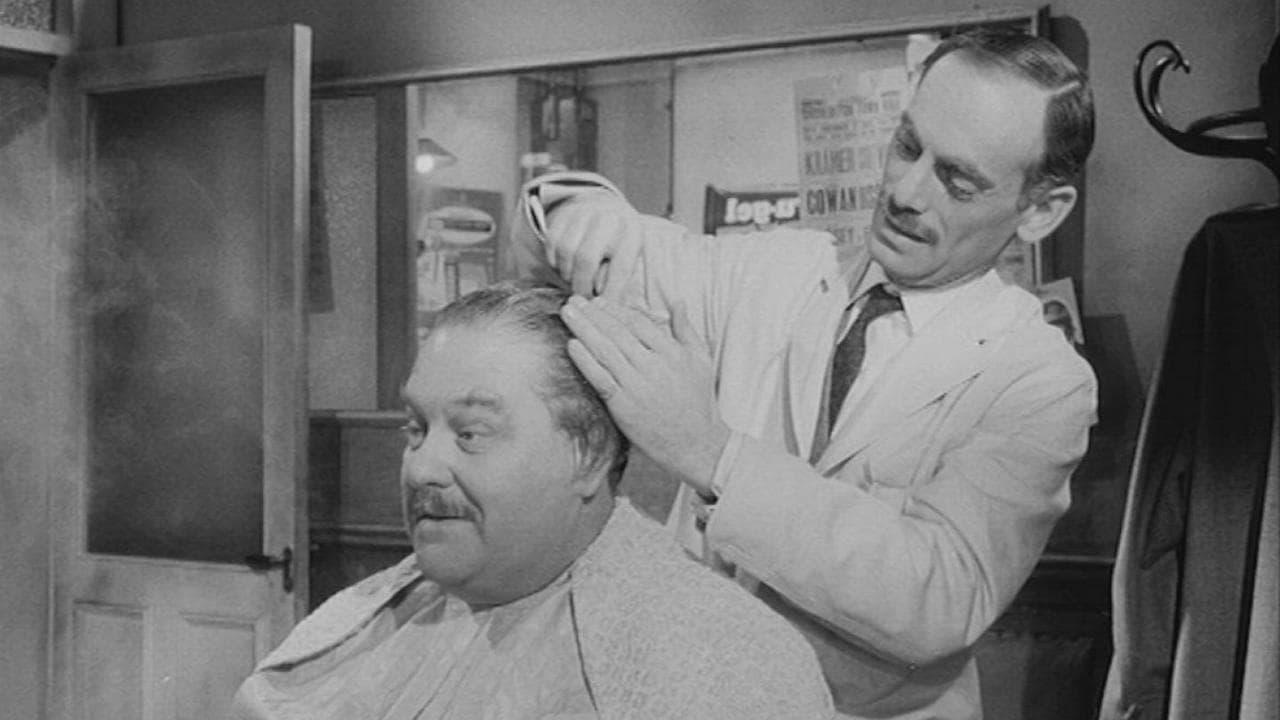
(431, 156)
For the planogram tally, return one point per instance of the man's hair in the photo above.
(1068, 122)
(534, 310)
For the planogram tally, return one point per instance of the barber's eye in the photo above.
(962, 190)
(958, 186)
(414, 433)
(905, 147)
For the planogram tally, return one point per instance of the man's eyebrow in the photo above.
(950, 165)
(480, 399)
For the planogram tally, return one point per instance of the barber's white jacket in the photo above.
(908, 535)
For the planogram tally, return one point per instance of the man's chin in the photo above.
(896, 265)
(886, 248)
(443, 565)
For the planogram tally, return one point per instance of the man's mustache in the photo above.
(433, 503)
(904, 220)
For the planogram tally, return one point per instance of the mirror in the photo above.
(745, 135)
(504, 130)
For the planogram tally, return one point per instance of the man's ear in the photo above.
(589, 478)
(1046, 212)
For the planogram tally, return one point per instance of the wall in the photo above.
(635, 130)
(1145, 197)
(26, 310)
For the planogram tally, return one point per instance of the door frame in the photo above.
(281, 57)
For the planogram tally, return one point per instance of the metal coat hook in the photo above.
(1198, 138)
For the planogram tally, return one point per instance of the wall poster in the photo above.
(844, 124)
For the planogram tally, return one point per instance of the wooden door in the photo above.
(183, 201)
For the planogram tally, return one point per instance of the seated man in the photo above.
(534, 591)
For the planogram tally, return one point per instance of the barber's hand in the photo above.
(659, 386)
(594, 242)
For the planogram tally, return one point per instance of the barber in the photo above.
(876, 440)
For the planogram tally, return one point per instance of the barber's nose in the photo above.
(908, 182)
(426, 464)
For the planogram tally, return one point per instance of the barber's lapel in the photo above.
(809, 353)
(950, 350)
(807, 360)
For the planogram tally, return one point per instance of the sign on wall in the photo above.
(732, 211)
(844, 124)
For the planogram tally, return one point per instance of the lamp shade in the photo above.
(431, 156)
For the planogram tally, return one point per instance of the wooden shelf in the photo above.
(34, 42)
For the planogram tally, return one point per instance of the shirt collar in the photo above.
(921, 306)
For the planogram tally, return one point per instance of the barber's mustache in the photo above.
(431, 502)
(904, 220)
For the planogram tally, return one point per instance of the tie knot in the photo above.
(880, 302)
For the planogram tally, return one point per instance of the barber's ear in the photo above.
(1046, 212)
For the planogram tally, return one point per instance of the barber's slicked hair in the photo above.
(1069, 117)
(534, 310)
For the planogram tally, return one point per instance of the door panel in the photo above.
(109, 660)
(185, 190)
